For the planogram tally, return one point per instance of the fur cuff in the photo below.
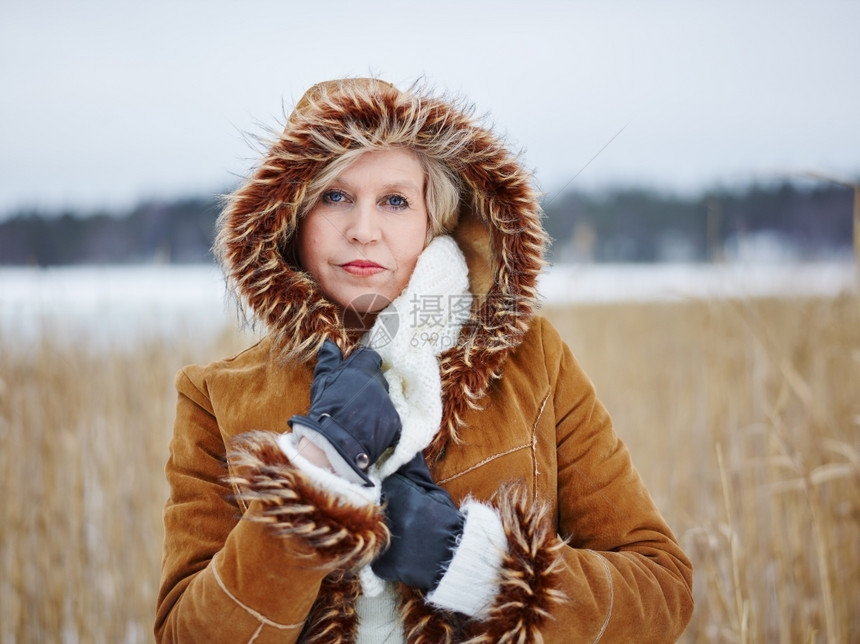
(529, 583)
(341, 534)
(352, 490)
(472, 580)
(530, 577)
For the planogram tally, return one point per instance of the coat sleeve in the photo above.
(244, 556)
(602, 566)
(607, 567)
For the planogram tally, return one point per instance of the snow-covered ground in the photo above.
(113, 300)
(619, 282)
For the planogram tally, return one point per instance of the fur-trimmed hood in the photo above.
(498, 227)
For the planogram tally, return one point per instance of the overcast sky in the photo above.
(105, 103)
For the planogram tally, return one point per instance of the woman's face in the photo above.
(361, 241)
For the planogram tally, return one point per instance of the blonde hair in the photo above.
(441, 187)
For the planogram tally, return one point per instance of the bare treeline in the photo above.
(621, 225)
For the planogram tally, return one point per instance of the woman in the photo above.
(411, 454)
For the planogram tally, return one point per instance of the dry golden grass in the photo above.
(743, 417)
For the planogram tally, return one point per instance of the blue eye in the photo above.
(396, 201)
(334, 196)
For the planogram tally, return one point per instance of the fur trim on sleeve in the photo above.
(470, 583)
(340, 534)
(529, 584)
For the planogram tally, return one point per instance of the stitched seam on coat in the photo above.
(255, 614)
(611, 596)
(534, 446)
(237, 493)
(482, 463)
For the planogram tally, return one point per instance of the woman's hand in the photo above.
(350, 408)
(425, 526)
(314, 454)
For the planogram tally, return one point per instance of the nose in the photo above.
(363, 225)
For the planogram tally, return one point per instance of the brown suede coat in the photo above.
(255, 552)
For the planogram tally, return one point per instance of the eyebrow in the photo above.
(393, 186)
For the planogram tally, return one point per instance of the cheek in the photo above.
(411, 244)
(419, 234)
(308, 244)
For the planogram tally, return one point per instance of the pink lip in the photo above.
(362, 267)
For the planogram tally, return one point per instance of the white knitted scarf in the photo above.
(409, 334)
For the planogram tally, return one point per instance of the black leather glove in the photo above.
(425, 527)
(350, 406)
